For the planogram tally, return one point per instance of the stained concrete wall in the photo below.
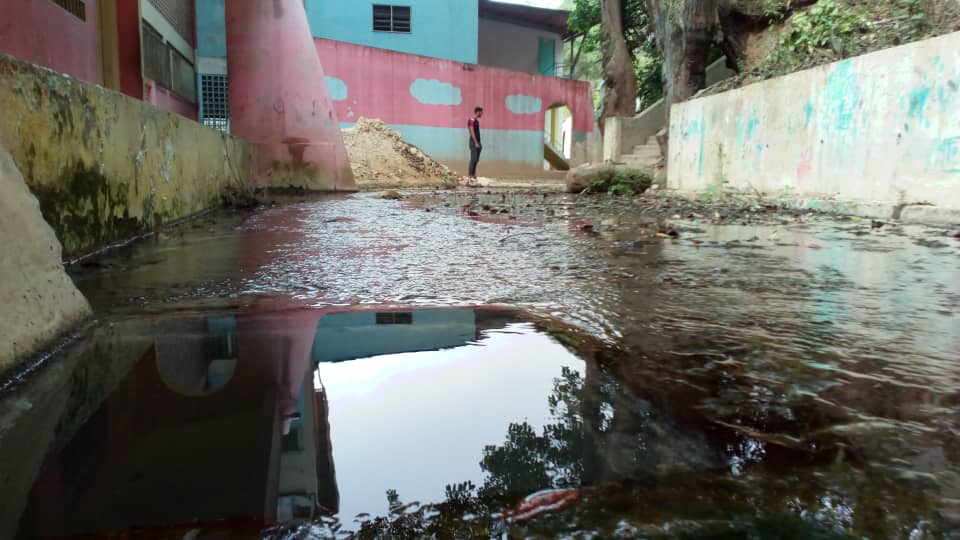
(106, 167)
(880, 127)
(622, 135)
(39, 300)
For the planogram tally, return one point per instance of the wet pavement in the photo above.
(677, 369)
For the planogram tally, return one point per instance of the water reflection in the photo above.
(262, 417)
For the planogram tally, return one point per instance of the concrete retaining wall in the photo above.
(39, 300)
(881, 127)
(106, 167)
(623, 134)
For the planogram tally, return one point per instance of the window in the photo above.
(183, 78)
(77, 8)
(395, 317)
(387, 18)
(214, 102)
(167, 67)
(156, 57)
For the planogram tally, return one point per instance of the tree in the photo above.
(585, 22)
(619, 80)
(686, 32)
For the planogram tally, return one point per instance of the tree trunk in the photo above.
(620, 81)
(684, 34)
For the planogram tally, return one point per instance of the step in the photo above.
(639, 163)
(651, 156)
(646, 147)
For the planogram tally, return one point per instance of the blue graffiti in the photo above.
(752, 125)
(842, 95)
(808, 112)
(949, 150)
(918, 101)
(703, 140)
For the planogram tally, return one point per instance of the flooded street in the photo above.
(360, 367)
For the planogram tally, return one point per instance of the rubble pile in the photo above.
(382, 159)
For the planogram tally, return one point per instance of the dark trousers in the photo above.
(474, 157)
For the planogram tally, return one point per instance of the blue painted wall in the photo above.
(440, 28)
(211, 28)
(347, 336)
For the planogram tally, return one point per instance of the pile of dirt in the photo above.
(382, 159)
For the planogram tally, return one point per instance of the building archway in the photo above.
(557, 137)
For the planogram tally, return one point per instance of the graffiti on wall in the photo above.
(884, 126)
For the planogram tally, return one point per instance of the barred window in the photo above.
(156, 57)
(167, 67)
(183, 77)
(389, 18)
(214, 102)
(395, 317)
(77, 8)
(180, 14)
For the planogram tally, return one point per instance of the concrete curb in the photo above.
(923, 214)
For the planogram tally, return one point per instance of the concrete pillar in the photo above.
(612, 139)
(279, 99)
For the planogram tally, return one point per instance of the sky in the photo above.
(540, 3)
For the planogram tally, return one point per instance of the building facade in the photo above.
(143, 48)
(420, 66)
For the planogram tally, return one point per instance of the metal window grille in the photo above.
(166, 66)
(183, 77)
(156, 56)
(214, 102)
(390, 18)
(77, 8)
(180, 14)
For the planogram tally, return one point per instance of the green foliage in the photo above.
(621, 183)
(776, 9)
(912, 17)
(825, 25)
(585, 19)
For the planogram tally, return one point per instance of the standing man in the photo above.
(473, 125)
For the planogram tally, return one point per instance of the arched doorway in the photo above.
(557, 137)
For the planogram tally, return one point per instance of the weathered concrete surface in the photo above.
(883, 127)
(39, 300)
(105, 166)
(625, 133)
(279, 99)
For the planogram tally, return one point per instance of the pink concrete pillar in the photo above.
(279, 99)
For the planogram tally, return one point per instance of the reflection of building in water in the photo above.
(217, 420)
(351, 335)
(214, 419)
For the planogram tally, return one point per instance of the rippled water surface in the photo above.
(756, 374)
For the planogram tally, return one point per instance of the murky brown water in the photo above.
(771, 376)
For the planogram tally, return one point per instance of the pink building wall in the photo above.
(428, 100)
(43, 33)
(169, 101)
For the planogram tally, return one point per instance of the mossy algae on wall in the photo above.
(106, 167)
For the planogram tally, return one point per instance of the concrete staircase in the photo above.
(644, 156)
